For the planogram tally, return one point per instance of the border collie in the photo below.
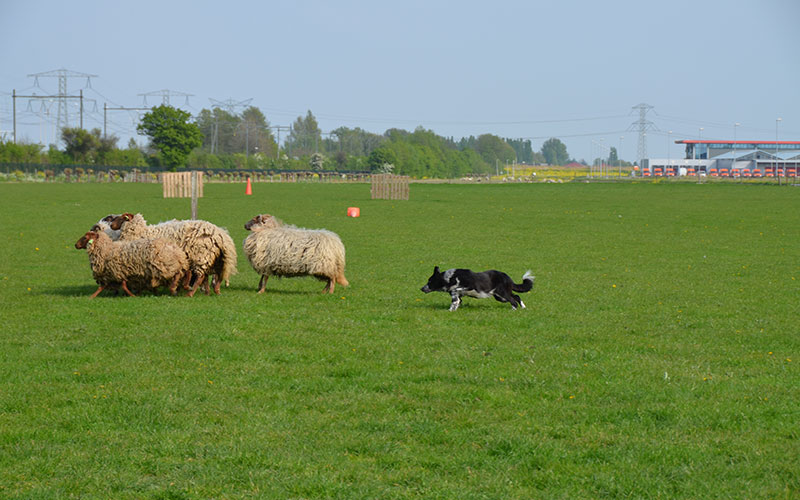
(460, 282)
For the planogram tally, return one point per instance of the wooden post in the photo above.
(183, 185)
(195, 188)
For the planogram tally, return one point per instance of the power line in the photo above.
(166, 94)
(14, 97)
(63, 75)
(643, 125)
(119, 108)
(230, 105)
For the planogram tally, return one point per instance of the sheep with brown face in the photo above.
(151, 263)
(209, 248)
(283, 250)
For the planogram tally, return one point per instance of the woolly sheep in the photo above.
(147, 262)
(104, 225)
(281, 250)
(209, 248)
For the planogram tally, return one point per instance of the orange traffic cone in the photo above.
(249, 188)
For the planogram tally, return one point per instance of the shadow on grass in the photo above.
(269, 291)
(475, 306)
(87, 290)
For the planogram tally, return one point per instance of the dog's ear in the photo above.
(436, 270)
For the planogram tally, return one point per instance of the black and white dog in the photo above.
(460, 282)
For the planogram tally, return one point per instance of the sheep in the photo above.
(283, 250)
(147, 262)
(105, 226)
(209, 248)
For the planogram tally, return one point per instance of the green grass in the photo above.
(658, 356)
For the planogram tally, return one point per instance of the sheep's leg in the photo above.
(262, 284)
(204, 284)
(199, 279)
(125, 287)
(186, 280)
(329, 287)
(217, 283)
(99, 289)
(173, 286)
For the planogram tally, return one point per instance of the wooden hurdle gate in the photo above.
(179, 184)
(184, 185)
(389, 187)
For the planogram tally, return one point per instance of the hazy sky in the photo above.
(571, 69)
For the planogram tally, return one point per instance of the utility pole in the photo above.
(15, 96)
(278, 128)
(62, 75)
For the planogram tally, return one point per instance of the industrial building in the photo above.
(738, 159)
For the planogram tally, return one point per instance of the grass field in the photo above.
(659, 356)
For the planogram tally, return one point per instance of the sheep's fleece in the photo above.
(140, 262)
(283, 250)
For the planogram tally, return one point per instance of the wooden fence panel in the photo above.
(389, 187)
(179, 184)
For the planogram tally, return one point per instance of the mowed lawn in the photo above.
(659, 356)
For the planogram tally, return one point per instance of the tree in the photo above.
(304, 138)
(523, 149)
(355, 142)
(555, 152)
(218, 127)
(21, 153)
(316, 162)
(171, 134)
(253, 134)
(381, 157)
(80, 143)
(494, 149)
(612, 156)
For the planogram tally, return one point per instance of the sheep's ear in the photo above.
(127, 216)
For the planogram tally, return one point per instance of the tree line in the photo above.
(219, 139)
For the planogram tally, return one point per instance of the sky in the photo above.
(571, 69)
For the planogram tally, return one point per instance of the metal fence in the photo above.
(36, 172)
